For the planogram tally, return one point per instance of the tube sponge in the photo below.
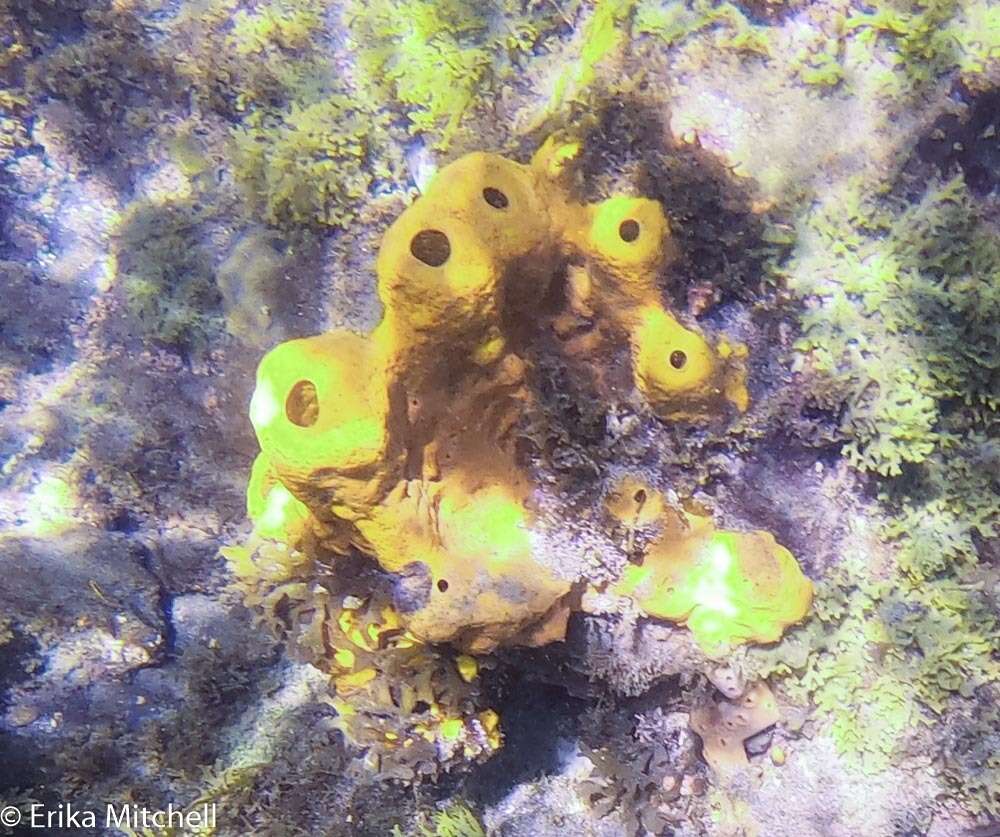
(436, 274)
(680, 373)
(477, 236)
(497, 197)
(625, 243)
(322, 417)
(629, 238)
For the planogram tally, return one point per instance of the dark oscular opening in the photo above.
(640, 496)
(629, 230)
(442, 585)
(124, 521)
(495, 198)
(678, 359)
(431, 247)
(302, 404)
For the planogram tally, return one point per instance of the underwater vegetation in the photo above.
(908, 349)
(653, 467)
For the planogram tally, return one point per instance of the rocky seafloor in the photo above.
(185, 184)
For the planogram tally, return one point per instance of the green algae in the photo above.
(167, 275)
(900, 323)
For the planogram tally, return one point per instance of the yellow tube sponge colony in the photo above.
(374, 441)
(729, 588)
(402, 445)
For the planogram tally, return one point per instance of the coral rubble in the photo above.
(725, 726)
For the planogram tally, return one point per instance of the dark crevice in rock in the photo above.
(540, 722)
(969, 143)
(166, 650)
(14, 667)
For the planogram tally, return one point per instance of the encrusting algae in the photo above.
(401, 446)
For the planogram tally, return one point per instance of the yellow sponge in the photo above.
(679, 373)
(729, 588)
(629, 238)
(498, 198)
(321, 414)
(470, 557)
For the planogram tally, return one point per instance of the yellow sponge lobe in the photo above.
(680, 373)
(729, 588)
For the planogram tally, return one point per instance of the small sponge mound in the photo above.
(273, 510)
(729, 588)
(724, 727)
(679, 373)
(252, 282)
